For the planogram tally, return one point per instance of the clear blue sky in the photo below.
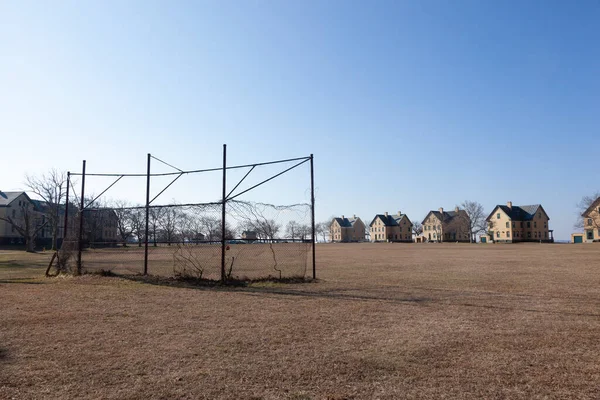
(406, 105)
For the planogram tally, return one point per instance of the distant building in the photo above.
(250, 236)
(100, 225)
(512, 224)
(591, 222)
(16, 207)
(347, 229)
(447, 226)
(391, 228)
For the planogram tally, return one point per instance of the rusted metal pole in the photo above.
(66, 226)
(312, 206)
(81, 209)
(147, 217)
(223, 211)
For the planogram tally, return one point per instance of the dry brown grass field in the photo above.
(384, 321)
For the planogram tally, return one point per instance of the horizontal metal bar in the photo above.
(201, 170)
(216, 203)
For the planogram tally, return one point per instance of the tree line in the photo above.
(176, 224)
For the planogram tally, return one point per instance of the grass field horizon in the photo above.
(383, 321)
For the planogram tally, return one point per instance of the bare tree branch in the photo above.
(51, 188)
(476, 214)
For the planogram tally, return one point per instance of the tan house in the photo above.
(347, 229)
(100, 225)
(391, 228)
(447, 226)
(591, 222)
(16, 207)
(512, 224)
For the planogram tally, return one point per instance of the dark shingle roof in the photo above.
(344, 222)
(519, 213)
(8, 197)
(352, 220)
(388, 220)
(448, 215)
(398, 218)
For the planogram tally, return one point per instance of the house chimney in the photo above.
(441, 210)
(456, 209)
(386, 213)
(509, 204)
(342, 217)
(399, 213)
(354, 216)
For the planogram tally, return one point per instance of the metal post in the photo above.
(146, 235)
(81, 220)
(312, 206)
(65, 229)
(223, 213)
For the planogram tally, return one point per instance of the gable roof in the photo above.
(346, 222)
(8, 197)
(43, 206)
(343, 222)
(519, 213)
(592, 206)
(388, 220)
(448, 215)
(398, 218)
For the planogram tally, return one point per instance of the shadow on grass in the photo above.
(298, 287)
(21, 281)
(269, 286)
(3, 354)
(21, 265)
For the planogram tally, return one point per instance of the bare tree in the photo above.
(292, 230)
(27, 222)
(51, 188)
(585, 203)
(230, 231)
(124, 220)
(476, 221)
(155, 216)
(192, 227)
(267, 229)
(255, 217)
(304, 232)
(169, 223)
(138, 224)
(211, 227)
(417, 228)
(322, 229)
